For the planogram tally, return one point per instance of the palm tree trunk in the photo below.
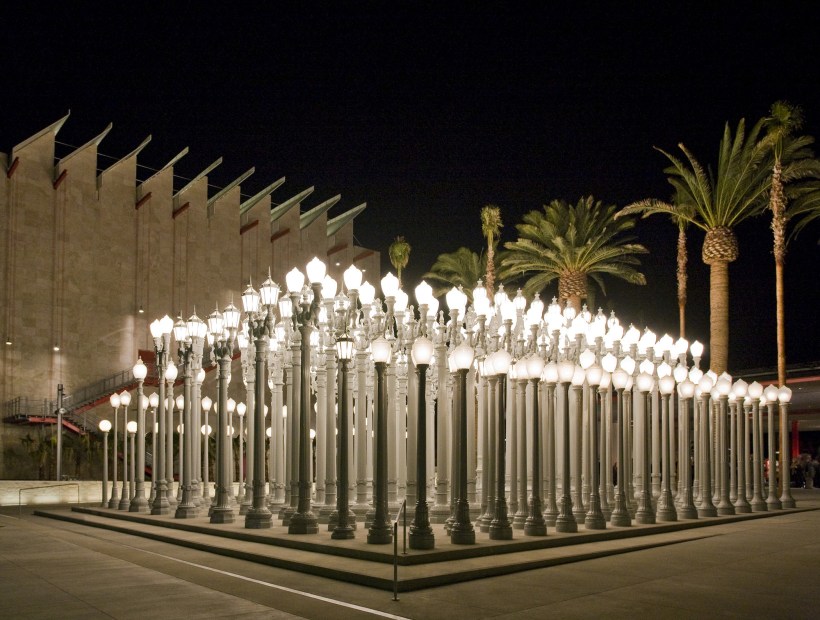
(781, 322)
(682, 280)
(489, 280)
(719, 316)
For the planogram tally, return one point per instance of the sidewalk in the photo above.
(753, 569)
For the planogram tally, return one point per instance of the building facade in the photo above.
(90, 258)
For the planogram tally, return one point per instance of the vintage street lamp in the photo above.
(535, 525)
(380, 532)
(645, 515)
(595, 517)
(666, 503)
(772, 501)
(207, 403)
(140, 503)
(784, 395)
(620, 513)
(565, 522)
(125, 498)
(161, 332)
(132, 430)
(706, 508)
(500, 526)
(223, 328)
(421, 532)
(344, 528)
(114, 399)
(105, 426)
(462, 531)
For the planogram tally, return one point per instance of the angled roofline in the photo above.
(251, 202)
(307, 218)
(198, 177)
(230, 186)
(133, 153)
(53, 128)
(334, 225)
(95, 141)
(282, 208)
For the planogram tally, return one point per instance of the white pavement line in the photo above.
(267, 584)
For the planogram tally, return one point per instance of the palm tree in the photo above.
(718, 204)
(399, 252)
(460, 268)
(491, 229)
(572, 243)
(791, 161)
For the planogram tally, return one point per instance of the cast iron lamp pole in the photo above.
(500, 526)
(186, 509)
(723, 387)
(380, 532)
(140, 503)
(114, 502)
(620, 514)
(594, 519)
(105, 426)
(758, 503)
(207, 403)
(645, 515)
(224, 330)
(706, 507)
(687, 509)
(772, 501)
(125, 498)
(462, 531)
(666, 503)
(784, 395)
(161, 332)
(421, 533)
(343, 529)
(305, 317)
(550, 380)
(261, 327)
(535, 525)
(565, 522)
(739, 389)
(132, 430)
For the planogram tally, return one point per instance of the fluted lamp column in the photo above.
(421, 533)
(140, 502)
(161, 333)
(772, 500)
(595, 517)
(723, 387)
(565, 522)
(186, 509)
(114, 399)
(223, 328)
(666, 503)
(758, 503)
(620, 513)
(784, 396)
(645, 514)
(380, 531)
(345, 526)
(739, 389)
(500, 526)
(206, 429)
(535, 524)
(125, 498)
(105, 426)
(706, 507)
(462, 531)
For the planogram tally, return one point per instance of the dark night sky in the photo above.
(429, 111)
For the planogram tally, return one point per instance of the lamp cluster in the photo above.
(535, 416)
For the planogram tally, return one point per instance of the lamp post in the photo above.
(706, 507)
(645, 515)
(550, 380)
(105, 426)
(772, 501)
(206, 429)
(140, 502)
(132, 430)
(723, 386)
(243, 499)
(784, 395)
(114, 399)
(171, 372)
(421, 532)
(535, 525)
(500, 526)
(344, 528)
(758, 503)
(161, 332)
(595, 517)
(303, 521)
(666, 503)
(380, 532)
(620, 514)
(462, 531)
(186, 509)
(565, 522)
(739, 389)
(125, 498)
(686, 510)
(223, 328)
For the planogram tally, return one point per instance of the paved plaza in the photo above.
(755, 568)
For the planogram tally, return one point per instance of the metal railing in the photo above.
(47, 486)
(402, 511)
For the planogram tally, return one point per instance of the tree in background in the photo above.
(399, 253)
(491, 229)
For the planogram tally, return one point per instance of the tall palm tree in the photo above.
(460, 268)
(399, 253)
(491, 229)
(791, 161)
(572, 243)
(719, 203)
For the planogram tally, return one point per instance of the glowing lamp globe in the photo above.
(114, 399)
(535, 366)
(105, 425)
(755, 390)
(390, 285)
(352, 278)
(316, 270)
(771, 393)
(295, 280)
(784, 394)
(381, 350)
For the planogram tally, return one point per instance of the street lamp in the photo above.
(772, 396)
(421, 533)
(645, 515)
(723, 386)
(114, 399)
(686, 510)
(620, 513)
(125, 498)
(241, 408)
(758, 503)
(666, 503)
(706, 507)
(105, 426)
(171, 372)
(344, 528)
(565, 522)
(223, 327)
(500, 526)
(161, 333)
(132, 430)
(739, 390)
(140, 502)
(595, 517)
(535, 525)
(380, 532)
(784, 395)
(462, 531)
(207, 403)
(306, 306)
